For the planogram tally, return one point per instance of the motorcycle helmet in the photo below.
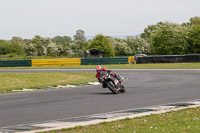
(98, 68)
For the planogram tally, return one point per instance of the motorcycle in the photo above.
(111, 82)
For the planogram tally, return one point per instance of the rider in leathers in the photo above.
(99, 69)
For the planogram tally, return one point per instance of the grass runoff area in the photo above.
(121, 66)
(13, 81)
(182, 121)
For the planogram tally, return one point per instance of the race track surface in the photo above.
(144, 88)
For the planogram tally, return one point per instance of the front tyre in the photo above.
(122, 90)
(112, 87)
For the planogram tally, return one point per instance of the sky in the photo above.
(49, 18)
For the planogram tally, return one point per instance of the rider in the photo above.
(99, 69)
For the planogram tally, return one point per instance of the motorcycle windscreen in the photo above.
(102, 74)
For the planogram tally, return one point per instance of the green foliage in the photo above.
(40, 40)
(139, 45)
(30, 49)
(121, 47)
(149, 30)
(194, 40)
(195, 21)
(10, 48)
(78, 45)
(102, 43)
(169, 39)
(65, 40)
(39, 46)
(78, 48)
(17, 40)
(36, 46)
(54, 50)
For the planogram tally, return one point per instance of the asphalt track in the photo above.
(144, 88)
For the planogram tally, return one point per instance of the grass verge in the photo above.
(121, 66)
(182, 121)
(11, 81)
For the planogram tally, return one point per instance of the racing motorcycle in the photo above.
(111, 82)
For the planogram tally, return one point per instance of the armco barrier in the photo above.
(15, 63)
(169, 59)
(104, 61)
(56, 62)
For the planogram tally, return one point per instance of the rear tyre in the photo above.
(112, 87)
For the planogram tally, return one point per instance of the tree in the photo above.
(78, 45)
(37, 46)
(139, 45)
(65, 40)
(54, 50)
(39, 43)
(80, 36)
(170, 39)
(102, 43)
(30, 49)
(121, 47)
(17, 40)
(149, 30)
(194, 40)
(7, 47)
(193, 21)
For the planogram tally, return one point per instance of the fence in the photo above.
(104, 61)
(15, 63)
(56, 62)
(169, 59)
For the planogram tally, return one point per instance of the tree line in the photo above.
(163, 38)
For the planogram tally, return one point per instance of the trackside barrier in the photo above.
(169, 59)
(104, 61)
(131, 60)
(66, 62)
(56, 62)
(15, 63)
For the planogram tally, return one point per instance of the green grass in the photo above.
(12, 57)
(11, 81)
(121, 66)
(23, 57)
(182, 121)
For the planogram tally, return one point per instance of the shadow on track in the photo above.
(102, 93)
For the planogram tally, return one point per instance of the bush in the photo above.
(10, 48)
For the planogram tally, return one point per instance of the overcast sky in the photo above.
(48, 18)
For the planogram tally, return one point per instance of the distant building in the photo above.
(94, 53)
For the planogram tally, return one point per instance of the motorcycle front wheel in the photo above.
(112, 87)
(122, 90)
